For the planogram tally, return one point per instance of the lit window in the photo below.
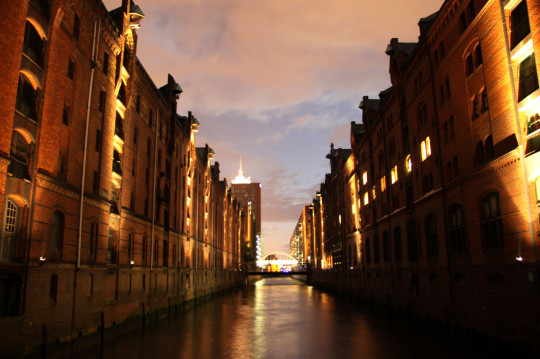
(353, 209)
(394, 174)
(364, 177)
(366, 198)
(374, 192)
(383, 184)
(408, 164)
(426, 148)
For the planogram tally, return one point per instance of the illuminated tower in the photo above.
(249, 196)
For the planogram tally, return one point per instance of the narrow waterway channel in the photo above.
(279, 318)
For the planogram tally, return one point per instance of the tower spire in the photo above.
(240, 177)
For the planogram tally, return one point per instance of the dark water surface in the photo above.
(280, 318)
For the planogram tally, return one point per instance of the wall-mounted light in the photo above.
(131, 263)
(42, 260)
(519, 259)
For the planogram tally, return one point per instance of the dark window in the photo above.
(92, 239)
(62, 166)
(53, 289)
(10, 295)
(71, 68)
(458, 243)
(528, 78)
(479, 153)
(447, 84)
(150, 118)
(57, 234)
(130, 244)
(519, 25)
(492, 231)
(105, 63)
(490, 153)
(95, 183)
(33, 44)
(398, 246)
(66, 114)
(469, 65)
(432, 246)
(98, 140)
(76, 27)
(443, 50)
(471, 11)
(27, 98)
(135, 135)
(102, 100)
(145, 250)
(133, 166)
(156, 252)
(475, 107)
(452, 127)
(19, 153)
(462, 22)
(478, 56)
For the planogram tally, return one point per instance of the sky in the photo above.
(275, 81)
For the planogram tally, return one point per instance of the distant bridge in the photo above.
(281, 259)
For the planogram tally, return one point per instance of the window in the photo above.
(425, 148)
(432, 247)
(475, 107)
(57, 234)
(131, 245)
(394, 174)
(95, 183)
(76, 27)
(366, 198)
(105, 68)
(27, 97)
(478, 56)
(71, 68)
(447, 85)
(408, 164)
(102, 100)
(92, 239)
(490, 152)
(492, 231)
(66, 114)
(9, 243)
(485, 104)
(364, 177)
(98, 140)
(462, 22)
(33, 44)
(469, 65)
(422, 115)
(412, 241)
(19, 154)
(145, 250)
(383, 183)
(479, 154)
(398, 247)
(442, 50)
(150, 118)
(156, 251)
(519, 23)
(471, 12)
(528, 78)
(452, 127)
(53, 289)
(62, 166)
(458, 244)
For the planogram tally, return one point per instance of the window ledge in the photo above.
(530, 102)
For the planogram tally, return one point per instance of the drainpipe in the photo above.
(520, 141)
(95, 43)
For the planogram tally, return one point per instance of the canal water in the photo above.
(280, 318)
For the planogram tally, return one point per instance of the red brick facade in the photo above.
(445, 176)
(109, 211)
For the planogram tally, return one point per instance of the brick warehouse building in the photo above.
(445, 177)
(109, 210)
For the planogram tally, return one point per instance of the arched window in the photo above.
(479, 154)
(10, 240)
(492, 231)
(490, 152)
(27, 98)
(432, 246)
(57, 237)
(76, 27)
(53, 289)
(19, 156)
(458, 242)
(33, 44)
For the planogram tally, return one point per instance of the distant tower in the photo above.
(249, 196)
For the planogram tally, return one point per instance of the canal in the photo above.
(278, 318)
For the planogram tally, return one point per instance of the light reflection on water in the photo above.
(279, 318)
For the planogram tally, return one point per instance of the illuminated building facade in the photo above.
(109, 211)
(446, 173)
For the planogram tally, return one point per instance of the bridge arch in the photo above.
(282, 259)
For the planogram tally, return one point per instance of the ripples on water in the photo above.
(279, 318)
